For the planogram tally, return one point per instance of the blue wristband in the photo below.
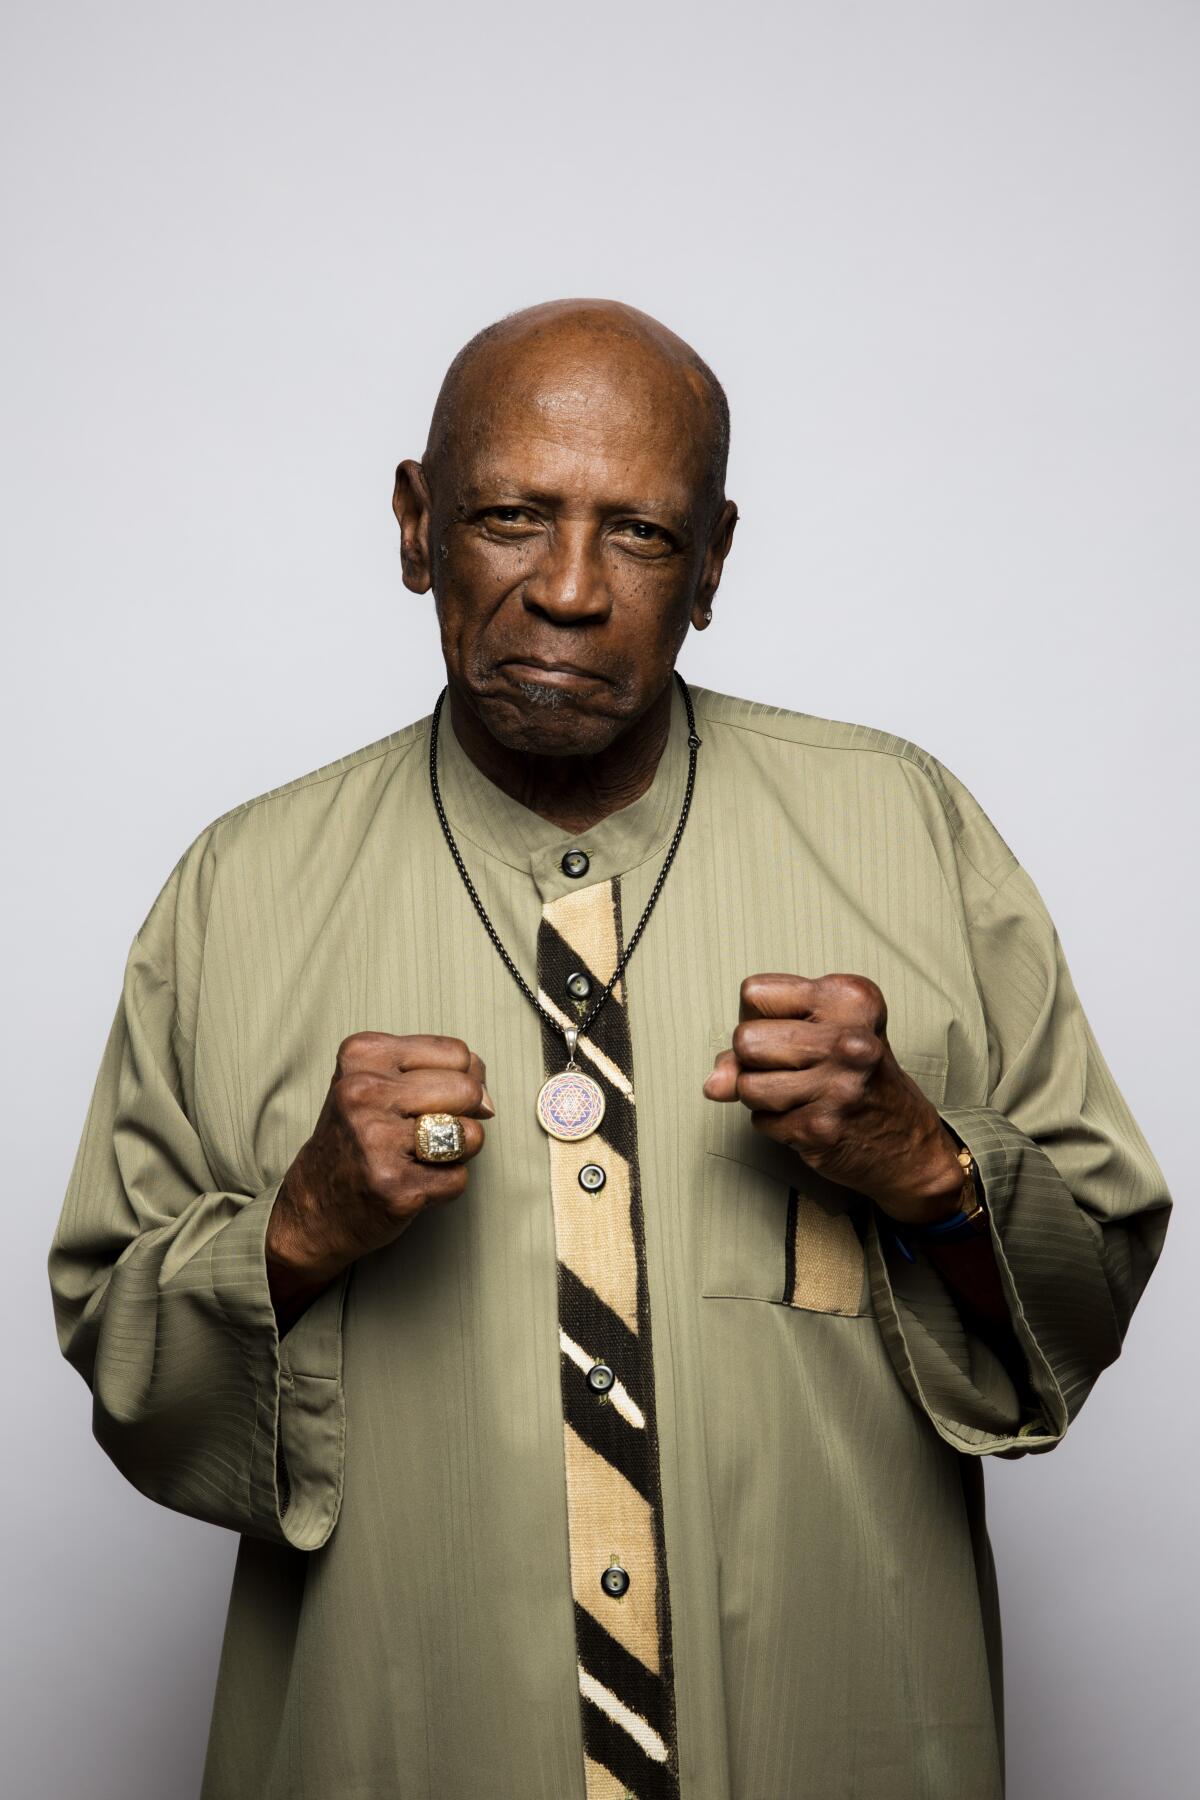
(958, 1225)
(963, 1224)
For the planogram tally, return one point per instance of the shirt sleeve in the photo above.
(161, 1301)
(1077, 1205)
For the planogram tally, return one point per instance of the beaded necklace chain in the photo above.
(570, 1105)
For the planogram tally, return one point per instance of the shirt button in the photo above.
(600, 1378)
(576, 862)
(614, 1580)
(579, 985)
(592, 1177)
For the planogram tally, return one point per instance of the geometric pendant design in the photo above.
(570, 1105)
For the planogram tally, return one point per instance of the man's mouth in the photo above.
(557, 674)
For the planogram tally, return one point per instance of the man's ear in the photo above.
(714, 562)
(411, 505)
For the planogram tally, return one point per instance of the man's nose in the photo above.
(569, 582)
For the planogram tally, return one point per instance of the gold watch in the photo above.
(971, 1200)
(969, 1221)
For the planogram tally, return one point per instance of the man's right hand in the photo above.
(356, 1184)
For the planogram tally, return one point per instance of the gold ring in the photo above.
(440, 1138)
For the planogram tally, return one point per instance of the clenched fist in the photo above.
(356, 1184)
(812, 1061)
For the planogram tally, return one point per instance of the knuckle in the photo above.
(857, 1045)
(847, 1086)
(821, 1127)
(864, 993)
(376, 1136)
(353, 1047)
(386, 1175)
(356, 1088)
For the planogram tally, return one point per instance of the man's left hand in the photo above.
(811, 1059)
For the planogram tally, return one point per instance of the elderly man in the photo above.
(581, 1184)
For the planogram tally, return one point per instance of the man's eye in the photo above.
(507, 516)
(652, 536)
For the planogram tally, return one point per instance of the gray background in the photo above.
(944, 258)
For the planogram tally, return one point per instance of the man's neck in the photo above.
(574, 792)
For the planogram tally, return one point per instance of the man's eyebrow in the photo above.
(502, 492)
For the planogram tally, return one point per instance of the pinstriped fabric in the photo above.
(614, 1499)
(424, 1484)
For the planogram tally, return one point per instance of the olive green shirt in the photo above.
(781, 1471)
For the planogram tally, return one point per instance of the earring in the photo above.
(707, 613)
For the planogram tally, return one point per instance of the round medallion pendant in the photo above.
(570, 1105)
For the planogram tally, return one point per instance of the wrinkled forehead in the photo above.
(601, 402)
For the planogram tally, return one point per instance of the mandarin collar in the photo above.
(487, 820)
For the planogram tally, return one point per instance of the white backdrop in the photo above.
(943, 257)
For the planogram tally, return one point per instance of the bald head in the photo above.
(570, 518)
(552, 357)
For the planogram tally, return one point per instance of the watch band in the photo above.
(969, 1221)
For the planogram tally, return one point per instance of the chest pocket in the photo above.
(774, 1229)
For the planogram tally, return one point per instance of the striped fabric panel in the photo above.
(614, 1503)
(824, 1260)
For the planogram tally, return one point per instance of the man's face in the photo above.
(569, 539)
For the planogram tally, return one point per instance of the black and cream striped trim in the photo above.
(614, 1501)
